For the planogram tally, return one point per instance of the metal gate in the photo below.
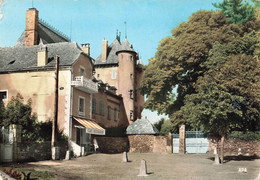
(6, 144)
(196, 142)
(175, 143)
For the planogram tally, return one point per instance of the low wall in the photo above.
(150, 143)
(33, 151)
(112, 144)
(231, 146)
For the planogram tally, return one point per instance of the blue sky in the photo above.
(90, 21)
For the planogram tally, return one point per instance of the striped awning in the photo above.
(91, 126)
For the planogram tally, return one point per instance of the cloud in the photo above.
(1, 15)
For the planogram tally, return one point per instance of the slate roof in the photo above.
(112, 51)
(46, 35)
(19, 58)
(141, 126)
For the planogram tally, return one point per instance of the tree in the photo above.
(211, 110)
(180, 60)
(236, 11)
(159, 124)
(2, 111)
(21, 114)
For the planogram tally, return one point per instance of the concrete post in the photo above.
(182, 143)
(17, 139)
(143, 169)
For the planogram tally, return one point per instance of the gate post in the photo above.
(182, 139)
(17, 140)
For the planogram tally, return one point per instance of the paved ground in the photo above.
(159, 167)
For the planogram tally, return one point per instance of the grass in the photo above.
(35, 175)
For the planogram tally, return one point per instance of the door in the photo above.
(6, 143)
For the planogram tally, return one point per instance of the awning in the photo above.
(91, 126)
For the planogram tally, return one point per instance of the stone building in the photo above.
(117, 66)
(86, 106)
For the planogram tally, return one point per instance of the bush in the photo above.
(248, 135)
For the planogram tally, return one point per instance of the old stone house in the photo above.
(86, 106)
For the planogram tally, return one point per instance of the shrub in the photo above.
(248, 135)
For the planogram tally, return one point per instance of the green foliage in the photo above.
(2, 111)
(167, 127)
(211, 109)
(180, 59)
(248, 135)
(236, 11)
(159, 124)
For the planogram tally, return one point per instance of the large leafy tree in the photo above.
(236, 11)
(180, 59)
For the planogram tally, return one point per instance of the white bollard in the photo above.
(216, 159)
(125, 158)
(143, 169)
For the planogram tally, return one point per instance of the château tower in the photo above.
(117, 66)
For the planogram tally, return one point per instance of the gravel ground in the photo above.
(159, 167)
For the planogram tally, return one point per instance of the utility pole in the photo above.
(54, 148)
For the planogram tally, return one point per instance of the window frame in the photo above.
(116, 114)
(101, 108)
(113, 74)
(81, 113)
(6, 98)
(94, 105)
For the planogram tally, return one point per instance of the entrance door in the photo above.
(6, 143)
(196, 142)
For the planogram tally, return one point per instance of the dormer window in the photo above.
(82, 71)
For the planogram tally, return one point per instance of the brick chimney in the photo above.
(31, 30)
(86, 48)
(104, 50)
(42, 56)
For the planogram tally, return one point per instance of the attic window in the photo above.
(11, 62)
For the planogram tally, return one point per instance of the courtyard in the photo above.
(159, 167)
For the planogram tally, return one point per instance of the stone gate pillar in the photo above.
(182, 140)
(17, 139)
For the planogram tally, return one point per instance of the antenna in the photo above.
(125, 29)
(32, 4)
(70, 29)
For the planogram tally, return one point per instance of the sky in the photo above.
(91, 21)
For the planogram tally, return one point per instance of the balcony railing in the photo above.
(85, 84)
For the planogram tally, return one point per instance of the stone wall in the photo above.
(33, 151)
(231, 146)
(112, 144)
(150, 143)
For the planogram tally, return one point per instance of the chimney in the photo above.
(31, 30)
(86, 48)
(104, 50)
(42, 56)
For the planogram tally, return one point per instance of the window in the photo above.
(131, 58)
(81, 106)
(113, 74)
(131, 76)
(131, 115)
(98, 75)
(82, 71)
(115, 114)
(131, 92)
(3, 95)
(94, 105)
(109, 113)
(101, 108)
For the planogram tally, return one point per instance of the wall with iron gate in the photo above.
(195, 142)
